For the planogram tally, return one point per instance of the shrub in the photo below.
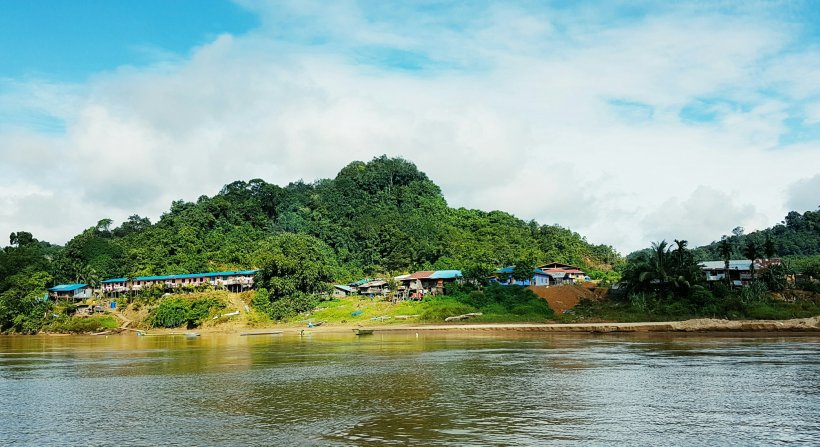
(721, 290)
(534, 307)
(441, 308)
(756, 292)
(640, 301)
(176, 311)
(83, 324)
(774, 277)
(701, 296)
(807, 285)
(285, 307)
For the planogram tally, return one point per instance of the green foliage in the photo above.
(290, 306)
(176, 311)
(296, 263)
(807, 285)
(440, 308)
(78, 325)
(503, 300)
(23, 308)
(752, 302)
(806, 265)
(756, 292)
(797, 235)
(774, 277)
(660, 270)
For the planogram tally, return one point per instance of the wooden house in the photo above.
(341, 291)
(419, 284)
(740, 270)
(504, 278)
(376, 287)
(234, 281)
(562, 273)
(75, 292)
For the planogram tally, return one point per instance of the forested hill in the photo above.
(379, 217)
(798, 235)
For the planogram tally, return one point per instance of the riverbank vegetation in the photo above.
(664, 283)
(494, 303)
(380, 218)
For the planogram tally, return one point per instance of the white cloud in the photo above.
(804, 194)
(514, 115)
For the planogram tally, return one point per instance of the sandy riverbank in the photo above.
(699, 325)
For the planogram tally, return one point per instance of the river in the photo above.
(410, 389)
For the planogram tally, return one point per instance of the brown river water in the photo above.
(409, 389)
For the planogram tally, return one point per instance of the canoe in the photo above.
(359, 331)
(169, 334)
(245, 334)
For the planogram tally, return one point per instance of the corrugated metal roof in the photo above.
(558, 265)
(420, 275)
(446, 274)
(374, 283)
(66, 287)
(510, 270)
(736, 264)
(550, 271)
(187, 275)
(347, 289)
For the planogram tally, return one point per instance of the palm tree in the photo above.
(725, 250)
(680, 251)
(659, 268)
(752, 251)
(768, 248)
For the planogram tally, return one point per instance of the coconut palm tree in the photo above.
(725, 250)
(680, 251)
(752, 251)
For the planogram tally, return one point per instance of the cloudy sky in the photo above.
(627, 122)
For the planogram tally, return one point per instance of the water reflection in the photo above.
(440, 389)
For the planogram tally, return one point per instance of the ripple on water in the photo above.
(399, 390)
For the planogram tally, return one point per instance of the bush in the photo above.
(721, 290)
(807, 285)
(438, 309)
(285, 307)
(755, 292)
(178, 311)
(78, 325)
(537, 307)
(701, 296)
(774, 277)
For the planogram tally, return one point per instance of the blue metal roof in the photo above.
(446, 274)
(735, 264)
(66, 287)
(510, 270)
(187, 275)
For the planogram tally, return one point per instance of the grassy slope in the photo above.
(429, 310)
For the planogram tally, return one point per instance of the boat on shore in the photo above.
(245, 334)
(169, 334)
(360, 331)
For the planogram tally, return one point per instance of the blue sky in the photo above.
(634, 121)
(71, 40)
